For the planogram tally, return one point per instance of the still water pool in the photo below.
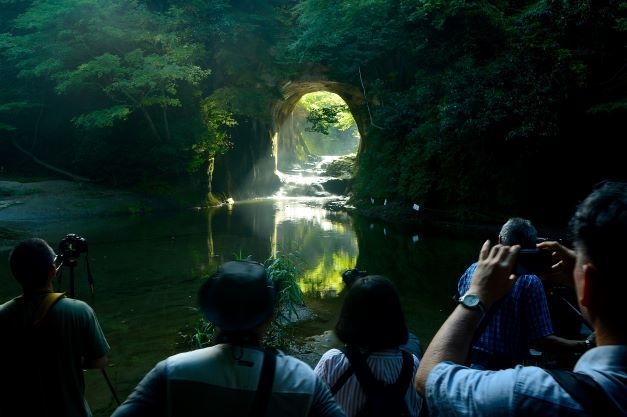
(146, 270)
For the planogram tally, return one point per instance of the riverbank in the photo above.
(28, 207)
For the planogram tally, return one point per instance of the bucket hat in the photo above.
(238, 296)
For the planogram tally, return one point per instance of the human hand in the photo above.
(562, 270)
(493, 276)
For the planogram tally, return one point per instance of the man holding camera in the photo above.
(596, 269)
(521, 319)
(48, 339)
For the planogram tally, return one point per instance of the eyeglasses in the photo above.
(57, 262)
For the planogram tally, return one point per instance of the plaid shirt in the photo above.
(518, 318)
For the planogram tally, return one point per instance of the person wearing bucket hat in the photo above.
(237, 376)
(238, 297)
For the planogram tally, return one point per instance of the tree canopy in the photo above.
(470, 104)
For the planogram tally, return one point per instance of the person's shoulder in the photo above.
(333, 353)
(73, 303)
(528, 281)
(291, 368)
(74, 306)
(471, 268)
(464, 279)
(8, 305)
(491, 388)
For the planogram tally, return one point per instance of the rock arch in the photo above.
(250, 168)
(292, 91)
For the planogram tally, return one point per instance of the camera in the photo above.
(533, 261)
(350, 276)
(71, 247)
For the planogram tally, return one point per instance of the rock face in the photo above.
(336, 186)
(247, 170)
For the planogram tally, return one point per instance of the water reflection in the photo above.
(323, 243)
(147, 270)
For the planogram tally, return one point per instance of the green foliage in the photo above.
(482, 89)
(7, 110)
(363, 31)
(324, 110)
(145, 72)
(322, 117)
(325, 126)
(216, 138)
(342, 167)
(129, 68)
(461, 97)
(102, 118)
(284, 273)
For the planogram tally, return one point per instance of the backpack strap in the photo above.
(367, 380)
(586, 391)
(347, 373)
(407, 372)
(45, 306)
(342, 379)
(264, 386)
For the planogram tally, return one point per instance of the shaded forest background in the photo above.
(476, 109)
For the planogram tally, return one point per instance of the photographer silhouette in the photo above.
(48, 339)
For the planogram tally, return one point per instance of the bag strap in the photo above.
(407, 372)
(264, 386)
(586, 391)
(367, 380)
(45, 306)
(342, 379)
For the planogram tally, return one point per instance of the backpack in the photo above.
(382, 400)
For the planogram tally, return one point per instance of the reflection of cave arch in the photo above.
(293, 91)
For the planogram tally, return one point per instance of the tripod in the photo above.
(70, 261)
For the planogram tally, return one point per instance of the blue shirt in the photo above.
(455, 390)
(518, 318)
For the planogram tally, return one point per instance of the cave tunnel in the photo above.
(293, 91)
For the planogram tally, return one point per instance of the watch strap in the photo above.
(479, 307)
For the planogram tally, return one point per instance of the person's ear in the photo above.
(52, 272)
(589, 278)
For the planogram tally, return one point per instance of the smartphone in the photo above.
(533, 261)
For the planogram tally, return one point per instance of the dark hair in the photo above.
(599, 231)
(372, 316)
(30, 262)
(519, 231)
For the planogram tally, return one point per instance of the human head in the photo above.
(372, 315)
(518, 231)
(599, 233)
(238, 297)
(32, 263)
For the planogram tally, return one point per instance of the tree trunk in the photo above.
(50, 167)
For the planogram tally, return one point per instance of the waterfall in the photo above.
(307, 180)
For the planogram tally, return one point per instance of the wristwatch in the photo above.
(472, 302)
